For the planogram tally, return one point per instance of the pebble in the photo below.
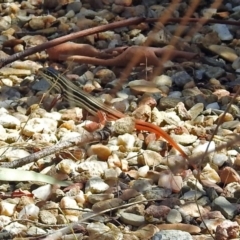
(127, 140)
(174, 216)
(15, 228)
(236, 64)
(227, 209)
(102, 151)
(96, 185)
(142, 185)
(196, 110)
(192, 195)
(7, 209)
(29, 211)
(210, 174)
(124, 125)
(163, 80)
(219, 159)
(47, 217)
(132, 219)
(8, 121)
(201, 148)
(107, 204)
(74, 6)
(213, 72)
(181, 78)
(172, 234)
(213, 105)
(67, 204)
(223, 31)
(96, 168)
(168, 102)
(39, 125)
(94, 198)
(149, 158)
(94, 229)
(224, 51)
(184, 139)
(228, 230)
(166, 180)
(5, 23)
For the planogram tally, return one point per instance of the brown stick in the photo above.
(146, 55)
(52, 43)
(196, 20)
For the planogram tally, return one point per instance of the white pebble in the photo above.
(7, 208)
(219, 159)
(29, 211)
(201, 148)
(126, 140)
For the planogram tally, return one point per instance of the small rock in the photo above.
(158, 193)
(7, 208)
(224, 51)
(236, 63)
(142, 185)
(47, 217)
(174, 216)
(39, 125)
(96, 185)
(107, 204)
(43, 192)
(94, 167)
(209, 174)
(150, 158)
(172, 234)
(126, 140)
(168, 102)
(201, 148)
(214, 105)
(132, 219)
(74, 6)
(15, 228)
(230, 124)
(167, 180)
(225, 207)
(94, 198)
(227, 230)
(181, 78)
(222, 31)
(102, 151)
(67, 204)
(29, 211)
(5, 23)
(192, 209)
(191, 195)
(105, 231)
(124, 125)
(196, 110)
(8, 121)
(228, 175)
(219, 159)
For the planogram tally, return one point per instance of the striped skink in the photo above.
(73, 94)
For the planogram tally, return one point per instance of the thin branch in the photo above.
(80, 140)
(72, 36)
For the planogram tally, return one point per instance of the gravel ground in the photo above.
(61, 180)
